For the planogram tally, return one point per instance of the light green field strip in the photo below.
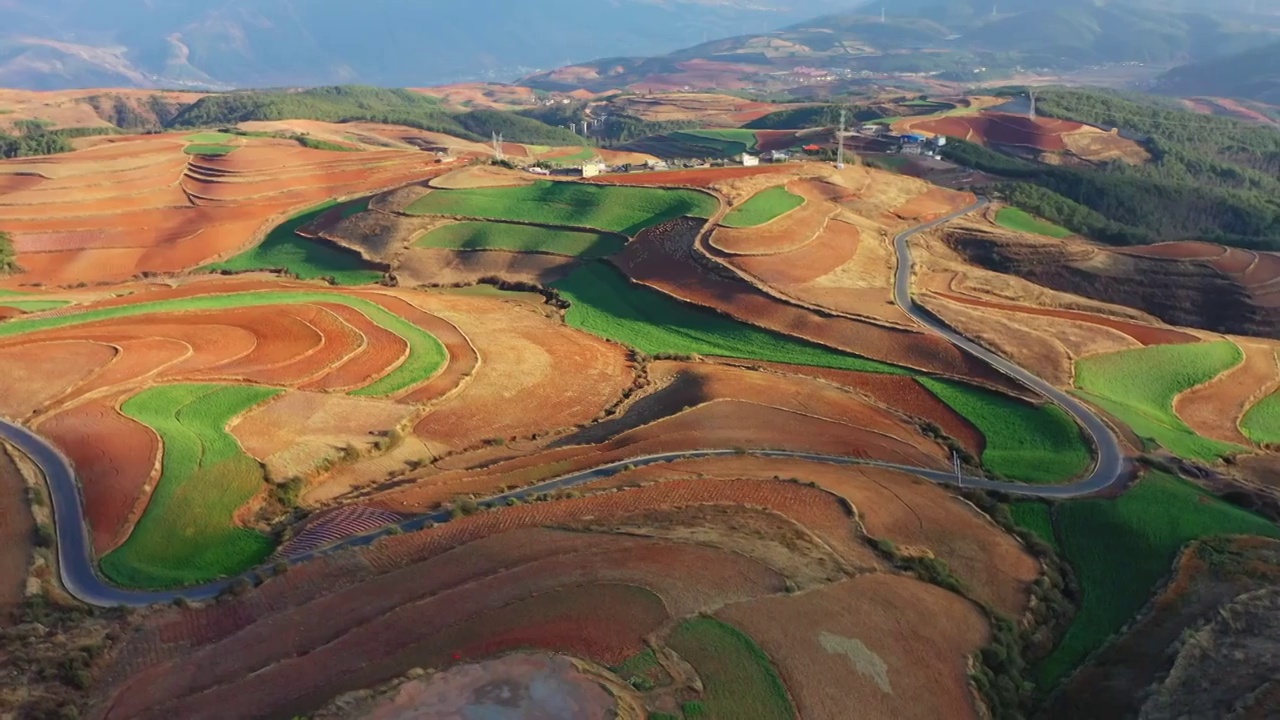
(1021, 221)
(762, 207)
(426, 354)
(188, 534)
(1122, 548)
(625, 210)
(34, 305)
(739, 680)
(305, 258)
(1262, 423)
(208, 149)
(1139, 386)
(210, 138)
(1023, 442)
(521, 238)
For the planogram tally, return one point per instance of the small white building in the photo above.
(749, 160)
(592, 169)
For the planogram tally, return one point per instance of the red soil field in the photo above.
(932, 204)
(1180, 250)
(462, 359)
(1145, 334)
(999, 128)
(1235, 261)
(1265, 270)
(37, 373)
(903, 394)
(767, 140)
(137, 359)
(380, 352)
(663, 258)
(339, 342)
(293, 661)
(832, 247)
(115, 459)
(1215, 408)
(891, 646)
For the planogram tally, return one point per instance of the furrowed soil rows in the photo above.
(1144, 334)
(893, 646)
(39, 373)
(834, 246)
(380, 350)
(114, 457)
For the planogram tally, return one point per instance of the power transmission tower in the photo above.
(1032, 114)
(882, 17)
(840, 142)
(955, 464)
(497, 147)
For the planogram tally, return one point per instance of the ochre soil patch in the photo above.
(1180, 250)
(891, 646)
(686, 178)
(480, 176)
(115, 459)
(536, 375)
(1042, 134)
(933, 204)
(710, 108)
(296, 431)
(834, 245)
(1215, 408)
(663, 258)
(73, 108)
(17, 528)
(1143, 334)
(39, 372)
(140, 204)
(285, 662)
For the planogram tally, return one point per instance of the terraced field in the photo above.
(762, 208)
(521, 238)
(1021, 221)
(306, 259)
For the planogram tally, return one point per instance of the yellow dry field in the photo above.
(1215, 408)
(480, 176)
(71, 109)
(704, 107)
(296, 431)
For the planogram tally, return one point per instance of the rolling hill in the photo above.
(1251, 75)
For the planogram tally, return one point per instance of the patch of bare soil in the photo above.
(1224, 594)
(480, 176)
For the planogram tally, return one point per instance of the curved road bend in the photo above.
(79, 572)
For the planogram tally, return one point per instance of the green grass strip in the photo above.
(308, 259)
(1036, 444)
(522, 238)
(1139, 386)
(1036, 517)
(188, 533)
(746, 138)
(426, 354)
(625, 210)
(34, 305)
(605, 303)
(738, 678)
(208, 149)
(1021, 221)
(1123, 548)
(210, 138)
(762, 207)
(1261, 423)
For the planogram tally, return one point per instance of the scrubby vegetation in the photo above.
(1023, 442)
(8, 257)
(522, 238)
(284, 249)
(1139, 386)
(187, 533)
(762, 207)
(739, 680)
(516, 128)
(801, 118)
(1121, 549)
(625, 210)
(1212, 178)
(35, 138)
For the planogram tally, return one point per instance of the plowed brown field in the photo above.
(1144, 334)
(1044, 134)
(891, 646)
(788, 233)
(40, 372)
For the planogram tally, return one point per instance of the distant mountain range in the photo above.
(1251, 75)
(963, 37)
(56, 44)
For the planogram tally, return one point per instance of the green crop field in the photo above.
(188, 533)
(625, 210)
(1021, 221)
(739, 681)
(34, 305)
(1123, 548)
(308, 259)
(1024, 442)
(745, 138)
(1138, 387)
(762, 207)
(582, 156)
(522, 238)
(426, 354)
(603, 302)
(1261, 423)
(210, 138)
(209, 149)
(1036, 517)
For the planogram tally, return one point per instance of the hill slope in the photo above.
(1252, 75)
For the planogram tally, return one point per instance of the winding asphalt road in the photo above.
(79, 572)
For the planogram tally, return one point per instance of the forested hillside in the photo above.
(1252, 75)
(1212, 178)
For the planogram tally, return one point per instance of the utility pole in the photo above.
(840, 142)
(1032, 93)
(955, 463)
(497, 147)
(882, 17)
